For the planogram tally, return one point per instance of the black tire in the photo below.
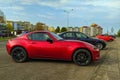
(19, 54)
(99, 46)
(82, 57)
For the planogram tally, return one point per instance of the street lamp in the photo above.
(68, 12)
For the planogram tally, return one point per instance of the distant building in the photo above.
(2, 24)
(69, 29)
(73, 29)
(51, 29)
(76, 29)
(15, 26)
(81, 29)
(93, 31)
(99, 30)
(86, 30)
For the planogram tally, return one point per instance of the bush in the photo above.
(118, 33)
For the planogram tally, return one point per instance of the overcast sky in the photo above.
(105, 13)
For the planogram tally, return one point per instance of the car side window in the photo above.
(81, 35)
(78, 35)
(38, 36)
(68, 35)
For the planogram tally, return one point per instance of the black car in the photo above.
(81, 36)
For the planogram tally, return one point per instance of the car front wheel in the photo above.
(99, 45)
(19, 54)
(82, 57)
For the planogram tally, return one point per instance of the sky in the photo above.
(105, 13)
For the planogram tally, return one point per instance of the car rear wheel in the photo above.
(99, 45)
(82, 57)
(19, 54)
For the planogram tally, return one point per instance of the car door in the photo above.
(41, 48)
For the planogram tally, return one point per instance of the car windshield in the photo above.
(84, 36)
(56, 36)
(81, 35)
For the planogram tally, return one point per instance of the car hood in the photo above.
(96, 39)
(76, 42)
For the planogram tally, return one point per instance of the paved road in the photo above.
(107, 68)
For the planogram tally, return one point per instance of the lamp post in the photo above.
(68, 12)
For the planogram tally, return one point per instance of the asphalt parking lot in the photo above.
(107, 68)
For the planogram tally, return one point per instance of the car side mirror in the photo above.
(50, 40)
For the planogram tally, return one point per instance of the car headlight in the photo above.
(95, 48)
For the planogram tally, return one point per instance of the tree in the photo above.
(39, 26)
(118, 33)
(63, 29)
(57, 30)
(9, 28)
(112, 30)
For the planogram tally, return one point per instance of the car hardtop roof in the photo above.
(41, 31)
(37, 31)
(71, 31)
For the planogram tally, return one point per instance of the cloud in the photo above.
(7, 1)
(103, 3)
(45, 16)
(65, 3)
(29, 2)
(60, 4)
(18, 18)
(12, 8)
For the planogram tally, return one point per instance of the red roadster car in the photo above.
(105, 37)
(47, 45)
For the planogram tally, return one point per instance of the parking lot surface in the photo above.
(107, 68)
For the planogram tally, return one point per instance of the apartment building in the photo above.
(51, 29)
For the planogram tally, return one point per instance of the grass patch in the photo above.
(5, 38)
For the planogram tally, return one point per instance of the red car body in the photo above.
(53, 48)
(105, 37)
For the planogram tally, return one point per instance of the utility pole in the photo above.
(68, 12)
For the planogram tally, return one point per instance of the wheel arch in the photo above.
(19, 46)
(81, 48)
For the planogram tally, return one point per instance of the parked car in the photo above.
(113, 36)
(47, 45)
(72, 35)
(105, 37)
(2, 34)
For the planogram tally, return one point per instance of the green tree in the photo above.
(9, 28)
(118, 33)
(63, 29)
(39, 26)
(112, 30)
(57, 30)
